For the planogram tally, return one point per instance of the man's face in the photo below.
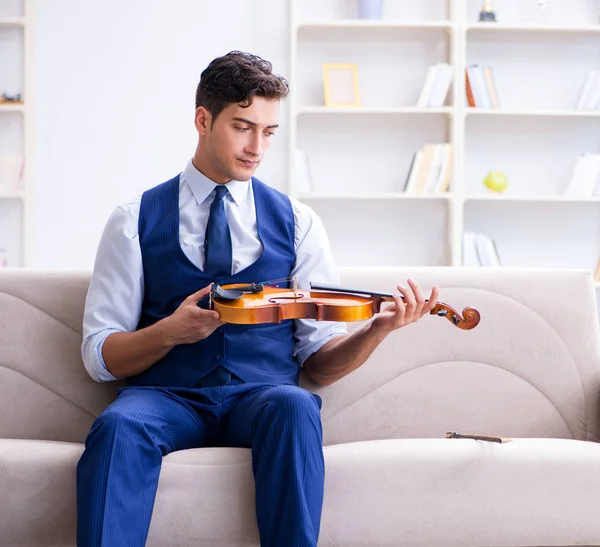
(239, 138)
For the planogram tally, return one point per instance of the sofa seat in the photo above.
(428, 492)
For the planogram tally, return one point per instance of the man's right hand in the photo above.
(189, 323)
(129, 353)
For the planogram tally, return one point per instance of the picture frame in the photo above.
(341, 85)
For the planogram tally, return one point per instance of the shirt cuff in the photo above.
(92, 356)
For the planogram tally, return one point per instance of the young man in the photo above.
(193, 381)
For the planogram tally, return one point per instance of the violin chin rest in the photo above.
(227, 294)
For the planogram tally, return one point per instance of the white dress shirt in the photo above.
(114, 299)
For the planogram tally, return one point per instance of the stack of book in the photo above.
(590, 94)
(480, 87)
(479, 250)
(430, 171)
(436, 86)
(585, 178)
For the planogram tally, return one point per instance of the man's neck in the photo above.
(206, 169)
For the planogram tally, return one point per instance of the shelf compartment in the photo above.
(526, 15)
(552, 235)
(403, 58)
(12, 9)
(11, 230)
(12, 55)
(346, 12)
(537, 154)
(386, 232)
(352, 155)
(11, 133)
(526, 69)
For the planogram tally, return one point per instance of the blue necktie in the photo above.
(217, 249)
(217, 244)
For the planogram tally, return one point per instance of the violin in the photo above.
(258, 303)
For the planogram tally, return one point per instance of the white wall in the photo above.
(115, 86)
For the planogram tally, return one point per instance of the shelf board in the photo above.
(534, 199)
(374, 24)
(517, 27)
(510, 112)
(372, 110)
(383, 196)
(18, 22)
(12, 107)
(7, 194)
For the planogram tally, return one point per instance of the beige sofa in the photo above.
(529, 371)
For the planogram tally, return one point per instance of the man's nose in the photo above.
(255, 146)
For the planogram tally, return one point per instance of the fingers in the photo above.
(197, 311)
(433, 299)
(201, 316)
(415, 303)
(410, 301)
(210, 314)
(419, 296)
(399, 309)
(197, 296)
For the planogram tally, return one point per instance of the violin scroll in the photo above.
(469, 320)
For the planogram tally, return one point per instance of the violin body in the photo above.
(251, 304)
(274, 305)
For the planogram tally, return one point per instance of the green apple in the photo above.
(496, 181)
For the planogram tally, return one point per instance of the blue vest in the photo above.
(254, 353)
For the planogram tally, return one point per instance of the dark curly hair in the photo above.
(237, 77)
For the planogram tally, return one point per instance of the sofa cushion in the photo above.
(421, 492)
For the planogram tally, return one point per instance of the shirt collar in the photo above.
(201, 186)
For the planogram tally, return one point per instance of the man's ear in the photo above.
(202, 121)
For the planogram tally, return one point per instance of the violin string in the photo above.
(291, 281)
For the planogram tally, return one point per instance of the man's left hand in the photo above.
(403, 313)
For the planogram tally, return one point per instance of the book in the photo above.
(479, 250)
(481, 89)
(589, 99)
(436, 86)
(431, 170)
(585, 176)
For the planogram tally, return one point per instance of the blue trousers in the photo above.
(117, 475)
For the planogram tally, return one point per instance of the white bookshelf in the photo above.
(359, 157)
(16, 53)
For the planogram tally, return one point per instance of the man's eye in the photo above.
(269, 133)
(242, 128)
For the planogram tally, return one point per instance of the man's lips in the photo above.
(249, 163)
